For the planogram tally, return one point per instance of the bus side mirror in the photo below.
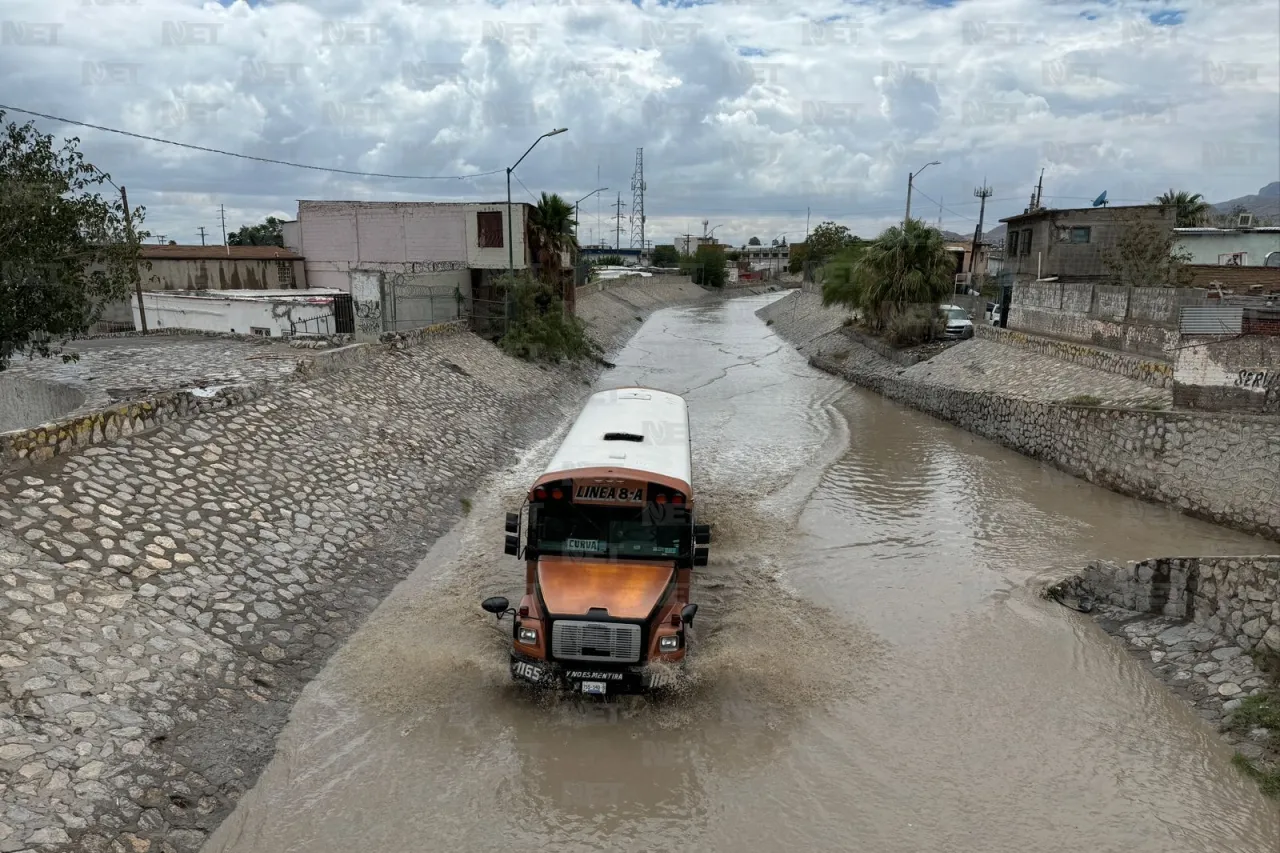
(702, 534)
(496, 605)
(687, 613)
(700, 556)
(512, 546)
(513, 522)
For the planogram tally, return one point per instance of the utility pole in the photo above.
(137, 276)
(806, 224)
(201, 235)
(617, 232)
(983, 193)
(222, 209)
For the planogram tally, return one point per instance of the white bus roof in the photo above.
(660, 418)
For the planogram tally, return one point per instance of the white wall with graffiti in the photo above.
(262, 312)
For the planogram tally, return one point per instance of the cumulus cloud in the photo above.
(753, 114)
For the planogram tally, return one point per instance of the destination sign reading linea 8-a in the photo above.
(609, 493)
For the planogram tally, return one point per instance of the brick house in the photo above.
(1068, 244)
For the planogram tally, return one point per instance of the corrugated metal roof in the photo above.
(210, 253)
(1217, 320)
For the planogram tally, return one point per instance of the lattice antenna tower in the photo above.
(638, 187)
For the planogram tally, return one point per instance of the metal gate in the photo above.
(411, 305)
(344, 315)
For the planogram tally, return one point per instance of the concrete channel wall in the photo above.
(1223, 468)
(1236, 597)
(168, 595)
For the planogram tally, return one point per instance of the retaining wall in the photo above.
(1131, 319)
(1153, 372)
(1223, 468)
(1237, 597)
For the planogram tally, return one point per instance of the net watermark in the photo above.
(353, 114)
(1142, 33)
(109, 73)
(678, 113)
(427, 74)
(1232, 73)
(660, 33)
(909, 153)
(1063, 72)
(1078, 155)
(189, 33)
(511, 114)
(255, 72)
(752, 155)
(510, 33)
(830, 113)
(993, 33)
(896, 72)
(175, 115)
(979, 113)
(828, 33)
(350, 34)
(1148, 112)
(1238, 155)
(29, 34)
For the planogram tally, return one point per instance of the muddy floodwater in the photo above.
(872, 668)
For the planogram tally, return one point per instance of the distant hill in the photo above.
(1264, 204)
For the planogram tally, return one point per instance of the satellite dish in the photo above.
(1101, 201)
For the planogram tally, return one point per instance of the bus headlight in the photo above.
(528, 636)
(669, 644)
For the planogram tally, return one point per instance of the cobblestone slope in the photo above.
(163, 599)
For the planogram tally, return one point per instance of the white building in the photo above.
(394, 258)
(775, 258)
(1242, 247)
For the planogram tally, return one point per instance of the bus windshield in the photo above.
(607, 532)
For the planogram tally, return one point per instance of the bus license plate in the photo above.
(595, 688)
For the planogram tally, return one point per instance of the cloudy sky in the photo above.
(755, 115)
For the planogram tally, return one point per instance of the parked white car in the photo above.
(959, 322)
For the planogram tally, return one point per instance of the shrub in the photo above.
(706, 266)
(910, 326)
(540, 329)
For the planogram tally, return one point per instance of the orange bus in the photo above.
(609, 543)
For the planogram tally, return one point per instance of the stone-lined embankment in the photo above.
(1201, 624)
(164, 597)
(1223, 468)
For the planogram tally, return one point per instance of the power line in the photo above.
(250, 156)
(526, 189)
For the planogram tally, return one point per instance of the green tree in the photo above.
(541, 330)
(798, 255)
(267, 233)
(754, 241)
(1147, 255)
(706, 266)
(65, 251)
(1192, 209)
(665, 256)
(551, 227)
(902, 267)
(826, 240)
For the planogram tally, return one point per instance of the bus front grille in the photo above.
(613, 642)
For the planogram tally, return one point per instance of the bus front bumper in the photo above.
(588, 679)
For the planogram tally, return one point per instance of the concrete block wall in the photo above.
(1240, 374)
(1140, 320)
(1237, 597)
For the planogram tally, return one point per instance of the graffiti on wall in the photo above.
(369, 317)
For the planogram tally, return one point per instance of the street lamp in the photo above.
(911, 177)
(511, 249)
(575, 209)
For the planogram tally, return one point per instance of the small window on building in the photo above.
(284, 273)
(260, 331)
(489, 226)
(1079, 235)
(1013, 243)
(1026, 241)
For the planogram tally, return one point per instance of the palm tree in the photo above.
(902, 267)
(551, 227)
(1192, 209)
